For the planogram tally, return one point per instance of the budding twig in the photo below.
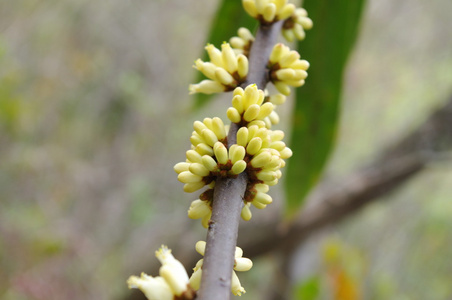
(227, 202)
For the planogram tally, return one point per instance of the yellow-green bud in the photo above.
(238, 167)
(251, 112)
(233, 115)
(237, 103)
(282, 87)
(242, 65)
(224, 77)
(199, 169)
(188, 177)
(209, 163)
(263, 198)
(209, 136)
(261, 159)
(229, 58)
(246, 212)
(266, 110)
(269, 12)
(181, 167)
(242, 136)
(266, 175)
(204, 149)
(221, 153)
(254, 145)
(214, 55)
(193, 186)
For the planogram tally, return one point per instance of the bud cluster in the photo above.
(295, 26)
(286, 68)
(241, 44)
(268, 11)
(226, 70)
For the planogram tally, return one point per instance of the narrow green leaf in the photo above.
(316, 114)
(309, 289)
(229, 18)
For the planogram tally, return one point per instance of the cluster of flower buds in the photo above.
(241, 44)
(172, 282)
(273, 117)
(268, 11)
(226, 70)
(286, 68)
(241, 264)
(295, 26)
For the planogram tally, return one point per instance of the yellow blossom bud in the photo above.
(254, 145)
(198, 209)
(152, 287)
(245, 34)
(265, 110)
(199, 169)
(252, 130)
(199, 126)
(188, 177)
(221, 153)
(285, 74)
(215, 55)
(288, 34)
(224, 77)
(218, 128)
(277, 52)
(181, 167)
(195, 279)
(286, 11)
(246, 212)
(278, 174)
(298, 32)
(278, 145)
(266, 175)
(287, 60)
(261, 4)
(258, 205)
(237, 103)
(251, 95)
(229, 58)
(250, 7)
(261, 187)
(238, 91)
(273, 182)
(204, 149)
(236, 153)
(242, 136)
(207, 68)
(233, 115)
(300, 74)
(269, 12)
(300, 64)
(209, 136)
(242, 264)
(251, 112)
(206, 87)
(238, 167)
(261, 159)
(274, 117)
(282, 88)
(193, 186)
(193, 156)
(237, 42)
(242, 65)
(286, 153)
(257, 123)
(236, 287)
(263, 198)
(196, 139)
(277, 135)
(209, 163)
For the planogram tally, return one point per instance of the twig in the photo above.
(228, 194)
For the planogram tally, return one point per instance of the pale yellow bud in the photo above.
(286, 11)
(263, 198)
(207, 68)
(300, 64)
(285, 74)
(298, 32)
(261, 4)
(181, 167)
(254, 146)
(224, 77)
(196, 139)
(245, 34)
(261, 187)
(277, 52)
(242, 136)
(237, 42)
(287, 60)
(199, 169)
(237, 103)
(198, 209)
(261, 159)
(236, 287)
(286, 153)
(200, 247)
(221, 153)
(274, 117)
(199, 126)
(233, 115)
(242, 65)
(152, 287)
(277, 135)
(269, 12)
(236, 153)
(206, 87)
(265, 110)
(209, 163)
(258, 205)
(282, 87)
(251, 112)
(266, 175)
(193, 186)
(193, 156)
(204, 149)
(257, 123)
(246, 212)
(218, 128)
(251, 95)
(229, 58)
(238, 167)
(250, 7)
(242, 264)
(209, 136)
(238, 91)
(288, 34)
(215, 55)
(188, 177)
(252, 130)
(195, 279)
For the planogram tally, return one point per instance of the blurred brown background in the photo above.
(94, 112)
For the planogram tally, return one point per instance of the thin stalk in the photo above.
(228, 194)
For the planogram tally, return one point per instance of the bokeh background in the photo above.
(94, 112)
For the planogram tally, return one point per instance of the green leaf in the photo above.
(316, 114)
(308, 289)
(229, 18)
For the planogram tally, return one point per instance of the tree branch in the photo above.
(228, 194)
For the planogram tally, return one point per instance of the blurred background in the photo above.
(94, 113)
